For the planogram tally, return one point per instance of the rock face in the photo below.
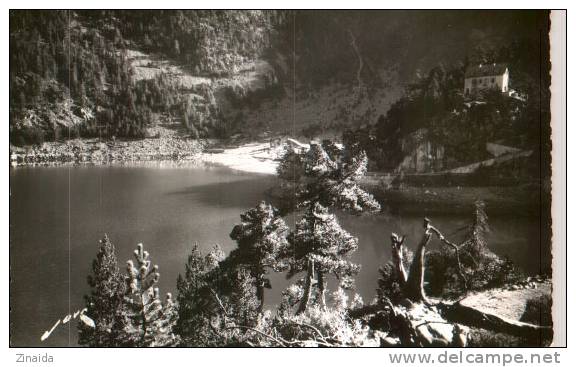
(421, 154)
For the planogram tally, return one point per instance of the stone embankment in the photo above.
(100, 152)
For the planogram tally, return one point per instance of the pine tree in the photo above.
(329, 175)
(325, 175)
(105, 304)
(320, 247)
(234, 306)
(195, 299)
(261, 237)
(482, 265)
(151, 322)
(216, 301)
(478, 229)
(243, 302)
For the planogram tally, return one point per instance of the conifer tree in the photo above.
(478, 230)
(195, 299)
(320, 247)
(216, 301)
(325, 175)
(261, 237)
(233, 307)
(105, 304)
(329, 175)
(243, 302)
(151, 321)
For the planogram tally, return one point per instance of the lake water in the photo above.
(58, 214)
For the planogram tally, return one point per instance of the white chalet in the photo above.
(486, 76)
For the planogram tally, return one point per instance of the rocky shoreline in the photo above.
(96, 151)
(255, 157)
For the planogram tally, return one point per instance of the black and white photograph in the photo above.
(284, 178)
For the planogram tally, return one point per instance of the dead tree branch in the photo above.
(456, 248)
(220, 304)
(398, 257)
(414, 287)
(282, 343)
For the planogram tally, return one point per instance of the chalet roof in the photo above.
(485, 70)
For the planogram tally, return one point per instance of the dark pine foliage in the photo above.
(67, 78)
(196, 303)
(326, 174)
(214, 298)
(261, 238)
(105, 304)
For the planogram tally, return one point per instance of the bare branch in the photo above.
(456, 248)
(278, 341)
(219, 302)
(312, 328)
(414, 287)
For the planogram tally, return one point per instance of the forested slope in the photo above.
(307, 73)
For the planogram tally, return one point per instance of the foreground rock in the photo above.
(509, 302)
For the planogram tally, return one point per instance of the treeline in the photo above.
(69, 80)
(207, 42)
(220, 299)
(70, 74)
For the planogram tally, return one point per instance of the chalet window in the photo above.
(492, 80)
